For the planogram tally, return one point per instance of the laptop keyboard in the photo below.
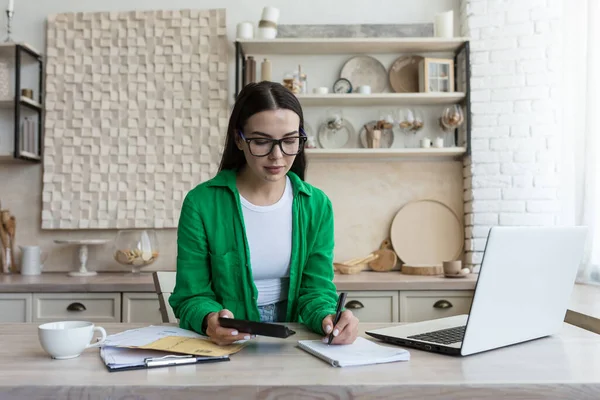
(443, 336)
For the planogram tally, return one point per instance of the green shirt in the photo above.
(213, 258)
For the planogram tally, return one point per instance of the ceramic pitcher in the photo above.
(31, 260)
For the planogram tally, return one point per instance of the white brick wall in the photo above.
(511, 176)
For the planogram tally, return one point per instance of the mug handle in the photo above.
(101, 341)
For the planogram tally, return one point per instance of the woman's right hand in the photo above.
(220, 335)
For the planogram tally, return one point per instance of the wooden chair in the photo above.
(164, 283)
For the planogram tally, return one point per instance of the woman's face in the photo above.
(261, 128)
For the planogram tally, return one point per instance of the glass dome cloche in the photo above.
(136, 248)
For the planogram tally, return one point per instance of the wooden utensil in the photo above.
(355, 265)
(5, 239)
(11, 228)
(386, 258)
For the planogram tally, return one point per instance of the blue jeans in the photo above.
(273, 312)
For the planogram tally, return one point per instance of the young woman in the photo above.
(256, 242)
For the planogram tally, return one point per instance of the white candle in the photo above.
(444, 24)
(11, 5)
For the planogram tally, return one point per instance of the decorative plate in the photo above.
(404, 74)
(335, 138)
(365, 70)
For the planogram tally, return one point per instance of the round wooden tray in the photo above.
(426, 232)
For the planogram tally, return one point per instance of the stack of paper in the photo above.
(156, 346)
(119, 358)
(361, 352)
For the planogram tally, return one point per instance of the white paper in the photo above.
(123, 357)
(361, 352)
(144, 336)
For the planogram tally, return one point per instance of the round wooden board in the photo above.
(404, 74)
(426, 232)
(422, 269)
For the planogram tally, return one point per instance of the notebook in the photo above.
(361, 352)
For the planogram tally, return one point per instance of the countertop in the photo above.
(557, 367)
(125, 282)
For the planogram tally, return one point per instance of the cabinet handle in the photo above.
(76, 307)
(442, 304)
(354, 305)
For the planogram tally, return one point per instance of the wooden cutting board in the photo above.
(422, 269)
(386, 258)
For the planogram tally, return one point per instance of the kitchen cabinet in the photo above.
(407, 306)
(421, 305)
(118, 297)
(15, 307)
(94, 307)
(373, 306)
(141, 307)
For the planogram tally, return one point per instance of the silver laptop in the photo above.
(522, 293)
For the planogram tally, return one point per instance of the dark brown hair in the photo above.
(255, 98)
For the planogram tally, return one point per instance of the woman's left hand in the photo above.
(345, 331)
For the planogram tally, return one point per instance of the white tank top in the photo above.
(269, 233)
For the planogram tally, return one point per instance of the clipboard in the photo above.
(257, 328)
(156, 361)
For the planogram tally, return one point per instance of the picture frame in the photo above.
(436, 75)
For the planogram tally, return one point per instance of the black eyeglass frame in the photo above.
(302, 140)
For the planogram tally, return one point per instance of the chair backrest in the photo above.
(164, 283)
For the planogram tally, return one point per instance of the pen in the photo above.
(338, 313)
(170, 360)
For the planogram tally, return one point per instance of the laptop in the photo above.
(522, 293)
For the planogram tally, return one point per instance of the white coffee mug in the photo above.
(68, 339)
(425, 143)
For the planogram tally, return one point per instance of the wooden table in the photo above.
(559, 367)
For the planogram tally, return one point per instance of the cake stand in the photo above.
(83, 253)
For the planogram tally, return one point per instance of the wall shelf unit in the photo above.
(438, 153)
(27, 149)
(380, 99)
(353, 46)
(349, 45)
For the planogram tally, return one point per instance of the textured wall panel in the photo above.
(136, 114)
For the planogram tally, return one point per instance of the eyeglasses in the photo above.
(289, 145)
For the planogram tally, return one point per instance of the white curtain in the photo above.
(580, 145)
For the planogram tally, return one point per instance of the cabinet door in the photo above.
(15, 307)
(94, 307)
(421, 305)
(141, 307)
(373, 306)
